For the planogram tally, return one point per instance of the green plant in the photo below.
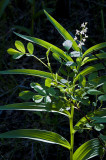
(65, 94)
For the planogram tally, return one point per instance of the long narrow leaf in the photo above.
(39, 135)
(32, 106)
(87, 150)
(46, 45)
(62, 31)
(31, 72)
(95, 48)
(89, 70)
(94, 58)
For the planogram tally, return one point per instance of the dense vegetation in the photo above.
(27, 17)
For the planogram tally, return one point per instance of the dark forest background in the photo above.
(27, 17)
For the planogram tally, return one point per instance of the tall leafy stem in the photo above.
(65, 91)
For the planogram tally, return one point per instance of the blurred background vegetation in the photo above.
(27, 17)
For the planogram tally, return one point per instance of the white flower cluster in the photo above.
(82, 35)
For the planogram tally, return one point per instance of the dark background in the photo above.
(27, 17)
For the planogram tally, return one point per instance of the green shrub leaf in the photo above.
(26, 95)
(19, 45)
(87, 150)
(30, 48)
(62, 31)
(95, 48)
(37, 98)
(39, 135)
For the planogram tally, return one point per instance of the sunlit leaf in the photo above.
(62, 31)
(19, 45)
(95, 48)
(47, 45)
(99, 127)
(26, 95)
(48, 82)
(31, 72)
(37, 98)
(67, 44)
(89, 70)
(39, 135)
(47, 99)
(87, 150)
(16, 54)
(32, 106)
(30, 48)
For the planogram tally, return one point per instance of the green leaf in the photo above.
(30, 48)
(75, 54)
(98, 127)
(31, 106)
(102, 97)
(87, 150)
(47, 99)
(62, 31)
(47, 45)
(16, 54)
(57, 57)
(51, 91)
(94, 92)
(89, 70)
(3, 5)
(37, 98)
(48, 82)
(31, 72)
(39, 135)
(19, 45)
(97, 115)
(69, 63)
(95, 48)
(37, 87)
(26, 95)
(82, 81)
(94, 58)
(67, 44)
(101, 119)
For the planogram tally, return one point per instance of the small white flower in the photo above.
(82, 32)
(79, 45)
(83, 39)
(86, 36)
(75, 38)
(82, 43)
(82, 25)
(77, 32)
(85, 30)
(86, 23)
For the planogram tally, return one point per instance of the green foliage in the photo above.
(66, 93)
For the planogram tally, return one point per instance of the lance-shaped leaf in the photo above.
(89, 70)
(46, 45)
(62, 31)
(95, 48)
(32, 106)
(39, 135)
(31, 72)
(94, 58)
(87, 150)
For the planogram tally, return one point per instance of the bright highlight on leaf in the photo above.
(38, 135)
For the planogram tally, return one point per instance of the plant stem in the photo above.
(71, 133)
